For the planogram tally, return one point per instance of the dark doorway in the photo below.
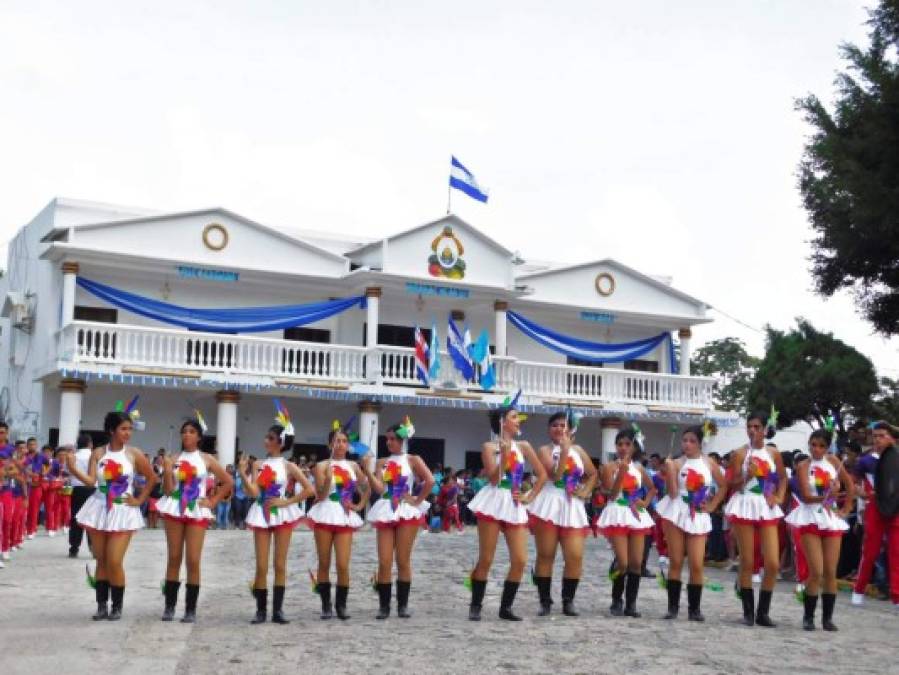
(473, 461)
(311, 451)
(431, 450)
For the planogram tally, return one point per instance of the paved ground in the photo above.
(45, 607)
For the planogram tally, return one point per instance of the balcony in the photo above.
(85, 344)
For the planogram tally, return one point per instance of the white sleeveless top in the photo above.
(572, 472)
(397, 476)
(758, 466)
(191, 478)
(819, 518)
(630, 484)
(272, 479)
(694, 475)
(115, 475)
(106, 510)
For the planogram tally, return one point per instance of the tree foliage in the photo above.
(808, 375)
(887, 403)
(728, 361)
(849, 175)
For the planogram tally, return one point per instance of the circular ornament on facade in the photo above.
(605, 284)
(215, 236)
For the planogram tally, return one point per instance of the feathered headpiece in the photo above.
(406, 430)
(202, 422)
(771, 426)
(282, 418)
(709, 429)
(639, 438)
(574, 420)
(356, 446)
(130, 409)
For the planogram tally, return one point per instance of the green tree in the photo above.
(728, 361)
(808, 375)
(887, 403)
(849, 175)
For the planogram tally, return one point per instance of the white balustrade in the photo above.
(85, 342)
(135, 346)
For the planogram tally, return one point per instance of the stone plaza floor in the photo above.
(45, 626)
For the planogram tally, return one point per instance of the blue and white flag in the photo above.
(434, 353)
(458, 346)
(464, 180)
(480, 354)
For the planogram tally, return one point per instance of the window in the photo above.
(301, 361)
(303, 334)
(572, 361)
(431, 450)
(395, 336)
(642, 365)
(98, 314)
(98, 343)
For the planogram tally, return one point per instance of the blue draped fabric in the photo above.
(225, 320)
(596, 352)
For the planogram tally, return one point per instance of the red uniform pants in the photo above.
(451, 517)
(876, 527)
(35, 498)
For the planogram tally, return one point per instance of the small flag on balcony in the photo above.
(422, 360)
(434, 354)
(480, 354)
(458, 348)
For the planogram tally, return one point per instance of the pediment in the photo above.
(216, 237)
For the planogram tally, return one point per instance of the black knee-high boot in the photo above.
(261, 595)
(478, 589)
(170, 590)
(617, 608)
(631, 590)
(340, 602)
(808, 618)
(278, 605)
(402, 598)
(545, 595)
(569, 588)
(828, 600)
(761, 614)
(384, 591)
(747, 597)
(102, 594)
(192, 594)
(324, 592)
(118, 598)
(674, 588)
(694, 601)
(510, 589)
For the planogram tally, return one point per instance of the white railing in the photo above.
(398, 367)
(611, 385)
(136, 346)
(85, 342)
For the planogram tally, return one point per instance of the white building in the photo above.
(72, 355)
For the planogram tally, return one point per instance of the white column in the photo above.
(500, 307)
(226, 426)
(369, 417)
(70, 398)
(69, 274)
(372, 359)
(684, 334)
(608, 429)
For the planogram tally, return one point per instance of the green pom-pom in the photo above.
(714, 586)
(162, 586)
(467, 582)
(614, 573)
(661, 580)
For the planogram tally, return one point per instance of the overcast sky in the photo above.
(659, 133)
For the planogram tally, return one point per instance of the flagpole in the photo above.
(449, 198)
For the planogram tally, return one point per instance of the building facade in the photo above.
(72, 353)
